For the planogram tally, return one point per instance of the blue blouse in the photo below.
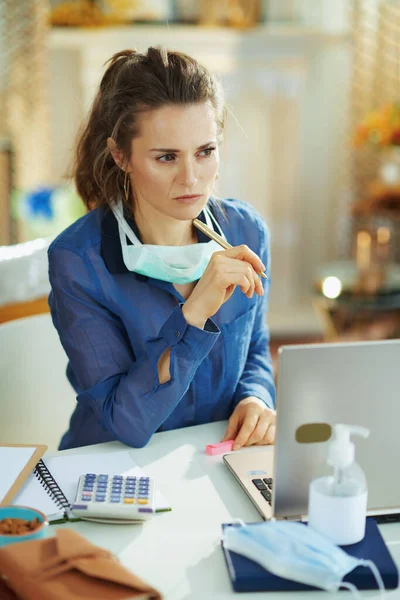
(114, 326)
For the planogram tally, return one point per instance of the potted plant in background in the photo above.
(381, 128)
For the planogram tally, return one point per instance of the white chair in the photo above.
(36, 398)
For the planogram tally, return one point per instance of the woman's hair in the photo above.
(132, 84)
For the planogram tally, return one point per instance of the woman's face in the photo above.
(174, 160)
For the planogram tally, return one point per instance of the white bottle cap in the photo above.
(341, 450)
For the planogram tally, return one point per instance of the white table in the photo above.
(179, 552)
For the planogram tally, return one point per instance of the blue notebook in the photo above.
(248, 576)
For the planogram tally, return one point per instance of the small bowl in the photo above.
(22, 512)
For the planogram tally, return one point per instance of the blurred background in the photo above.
(312, 141)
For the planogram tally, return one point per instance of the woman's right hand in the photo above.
(227, 269)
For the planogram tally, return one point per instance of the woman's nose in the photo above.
(188, 176)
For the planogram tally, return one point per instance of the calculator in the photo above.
(114, 498)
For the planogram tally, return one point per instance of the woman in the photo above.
(162, 328)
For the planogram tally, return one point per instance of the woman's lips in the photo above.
(189, 199)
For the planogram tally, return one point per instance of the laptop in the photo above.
(355, 383)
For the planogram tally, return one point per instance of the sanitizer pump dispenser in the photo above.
(338, 502)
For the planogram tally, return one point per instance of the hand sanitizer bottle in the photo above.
(338, 503)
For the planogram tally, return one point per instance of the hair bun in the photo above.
(115, 63)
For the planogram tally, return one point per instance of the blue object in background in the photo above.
(22, 512)
(39, 203)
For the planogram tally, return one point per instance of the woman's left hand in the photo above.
(252, 422)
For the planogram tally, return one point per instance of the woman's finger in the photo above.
(269, 437)
(229, 279)
(259, 289)
(260, 430)
(247, 428)
(243, 252)
(232, 429)
(224, 265)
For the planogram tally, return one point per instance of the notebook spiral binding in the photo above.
(47, 480)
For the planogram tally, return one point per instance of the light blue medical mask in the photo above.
(176, 264)
(296, 552)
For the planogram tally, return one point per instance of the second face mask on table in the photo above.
(296, 552)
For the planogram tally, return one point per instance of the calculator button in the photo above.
(102, 478)
(129, 500)
(100, 499)
(118, 478)
(142, 501)
(90, 476)
(115, 499)
(130, 478)
(86, 498)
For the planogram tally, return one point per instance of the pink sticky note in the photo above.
(212, 449)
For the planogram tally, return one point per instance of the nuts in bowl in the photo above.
(20, 524)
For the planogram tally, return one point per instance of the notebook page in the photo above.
(12, 461)
(34, 495)
(66, 470)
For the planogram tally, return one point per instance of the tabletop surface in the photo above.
(179, 552)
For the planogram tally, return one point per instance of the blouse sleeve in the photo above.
(120, 387)
(258, 378)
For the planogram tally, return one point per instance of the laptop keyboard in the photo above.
(264, 486)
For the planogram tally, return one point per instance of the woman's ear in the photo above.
(116, 153)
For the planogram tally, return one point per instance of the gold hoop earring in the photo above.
(126, 188)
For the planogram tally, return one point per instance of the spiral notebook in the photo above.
(51, 487)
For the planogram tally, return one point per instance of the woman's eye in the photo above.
(166, 158)
(207, 152)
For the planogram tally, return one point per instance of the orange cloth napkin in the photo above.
(67, 567)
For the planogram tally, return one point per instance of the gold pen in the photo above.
(217, 238)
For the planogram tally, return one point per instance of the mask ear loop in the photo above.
(126, 188)
(235, 522)
(377, 575)
(238, 521)
(352, 588)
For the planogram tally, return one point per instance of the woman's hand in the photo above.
(252, 422)
(226, 269)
